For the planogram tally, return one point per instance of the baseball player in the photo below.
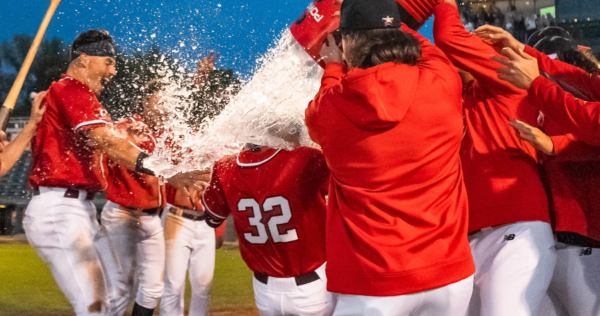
(190, 242)
(61, 220)
(130, 241)
(397, 209)
(572, 176)
(508, 207)
(277, 200)
(11, 152)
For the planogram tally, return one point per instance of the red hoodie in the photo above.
(397, 210)
(573, 174)
(501, 171)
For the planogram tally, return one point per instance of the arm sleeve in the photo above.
(569, 149)
(82, 110)
(576, 116)
(331, 77)
(467, 51)
(214, 201)
(586, 83)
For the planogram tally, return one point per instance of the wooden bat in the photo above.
(13, 95)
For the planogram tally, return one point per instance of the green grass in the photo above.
(27, 286)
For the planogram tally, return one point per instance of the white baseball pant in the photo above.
(281, 296)
(575, 285)
(131, 245)
(62, 231)
(190, 245)
(450, 300)
(514, 265)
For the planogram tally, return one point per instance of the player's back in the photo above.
(277, 199)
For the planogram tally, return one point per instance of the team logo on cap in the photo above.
(388, 21)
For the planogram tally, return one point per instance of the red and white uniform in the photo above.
(190, 247)
(277, 200)
(508, 206)
(131, 241)
(397, 208)
(60, 221)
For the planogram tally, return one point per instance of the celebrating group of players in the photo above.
(453, 179)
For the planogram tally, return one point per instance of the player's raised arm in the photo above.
(13, 151)
(466, 51)
(584, 82)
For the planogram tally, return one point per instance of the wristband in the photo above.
(139, 164)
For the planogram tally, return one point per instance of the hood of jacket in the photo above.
(378, 97)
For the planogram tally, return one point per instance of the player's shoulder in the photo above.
(68, 84)
(306, 153)
(225, 163)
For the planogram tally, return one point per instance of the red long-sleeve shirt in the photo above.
(501, 172)
(573, 173)
(397, 209)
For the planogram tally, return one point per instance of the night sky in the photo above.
(240, 30)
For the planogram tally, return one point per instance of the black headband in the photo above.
(104, 48)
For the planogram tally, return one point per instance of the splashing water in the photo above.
(269, 106)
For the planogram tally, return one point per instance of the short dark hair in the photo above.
(91, 36)
(379, 46)
(568, 52)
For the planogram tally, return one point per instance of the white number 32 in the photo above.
(255, 221)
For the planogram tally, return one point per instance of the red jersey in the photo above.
(128, 188)
(277, 199)
(397, 210)
(61, 157)
(501, 172)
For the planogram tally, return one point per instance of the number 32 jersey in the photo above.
(277, 200)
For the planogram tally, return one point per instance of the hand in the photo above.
(191, 182)
(499, 38)
(538, 139)
(205, 66)
(521, 68)
(3, 141)
(38, 108)
(330, 52)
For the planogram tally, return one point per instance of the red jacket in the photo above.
(573, 174)
(501, 172)
(397, 209)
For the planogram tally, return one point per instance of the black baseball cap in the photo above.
(555, 44)
(549, 31)
(356, 15)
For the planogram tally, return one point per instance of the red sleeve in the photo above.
(214, 201)
(584, 82)
(467, 51)
(561, 142)
(576, 116)
(331, 77)
(573, 150)
(81, 108)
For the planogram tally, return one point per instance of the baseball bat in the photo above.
(13, 95)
